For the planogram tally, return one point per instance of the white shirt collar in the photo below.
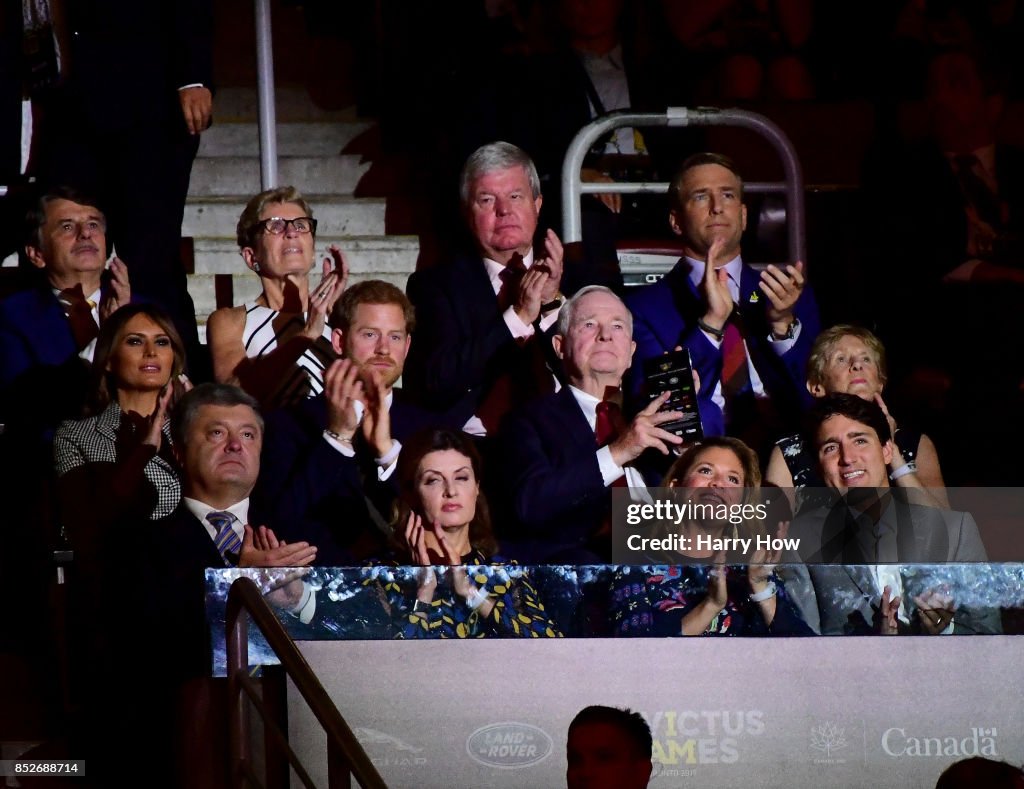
(733, 268)
(201, 509)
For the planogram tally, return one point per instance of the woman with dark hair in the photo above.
(118, 460)
(442, 525)
(697, 593)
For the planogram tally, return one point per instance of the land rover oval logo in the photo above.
(509, 745)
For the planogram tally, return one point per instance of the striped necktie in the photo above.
(226, 540)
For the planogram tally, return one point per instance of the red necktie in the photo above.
(79, 312)
(606, 430)
(735, 375)
(511, 276)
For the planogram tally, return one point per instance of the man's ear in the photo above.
(556, 343)
(887, 452)
(673, 222)
(743, 216)
(35, 255)
(538, 201)
(338, 341)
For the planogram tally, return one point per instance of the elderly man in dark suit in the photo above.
(329, 462)
(857, 549)
(485, 318)
(566, 451)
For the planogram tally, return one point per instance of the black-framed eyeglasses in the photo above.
(275, 225)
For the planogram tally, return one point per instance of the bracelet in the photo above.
(718, 334)
(419, 607)
(338, 437)
(478, 599)
(769, 591)
(902, 471)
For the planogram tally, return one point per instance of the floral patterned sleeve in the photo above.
(518, 611)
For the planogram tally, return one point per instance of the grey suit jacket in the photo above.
(838, 583)
(94, 440)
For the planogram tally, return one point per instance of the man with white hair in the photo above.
(566, 451)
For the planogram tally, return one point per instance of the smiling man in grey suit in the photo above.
(858, 549)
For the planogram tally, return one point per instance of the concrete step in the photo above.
(216, 217)
(393, 254)
(240, 175)
(324, 138)
(292, 104)
(246, 287)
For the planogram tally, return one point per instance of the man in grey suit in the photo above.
(858, 549)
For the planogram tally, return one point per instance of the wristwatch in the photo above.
(790, 332)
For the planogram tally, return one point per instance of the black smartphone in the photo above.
(673, 372)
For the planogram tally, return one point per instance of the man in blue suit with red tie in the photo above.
(749, 334)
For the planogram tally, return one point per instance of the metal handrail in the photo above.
(345, 756)
(265, 92)
(573, 188)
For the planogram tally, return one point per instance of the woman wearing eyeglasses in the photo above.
(278, 346)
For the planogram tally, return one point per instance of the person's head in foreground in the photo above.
(846, 359)
(608, 748)
(981, 772)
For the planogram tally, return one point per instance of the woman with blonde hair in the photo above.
(278, 346)
(851, 360)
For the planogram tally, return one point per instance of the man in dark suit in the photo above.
(329, 463)
(484, 318)
(749, 334)
(564, 453)
(48, 331)
(124, 123)
(47, 335)
(858, 548)
(217, 433)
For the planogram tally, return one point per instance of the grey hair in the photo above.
(566, 316)
(496, 156)
(187, 409)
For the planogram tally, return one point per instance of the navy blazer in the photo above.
(42, 379)
(665, 315)
(310, 491)
(463, 344)
(558, 495)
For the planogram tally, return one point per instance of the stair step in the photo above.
(216, 217)
(393, 254)
(240, 175)
(246, 287)
(292, 104)
(293, 139)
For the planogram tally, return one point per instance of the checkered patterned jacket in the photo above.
(94, 440)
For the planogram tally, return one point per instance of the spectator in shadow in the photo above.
(745, 49)
(979, 771)
(957, 249)
(608, 748)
